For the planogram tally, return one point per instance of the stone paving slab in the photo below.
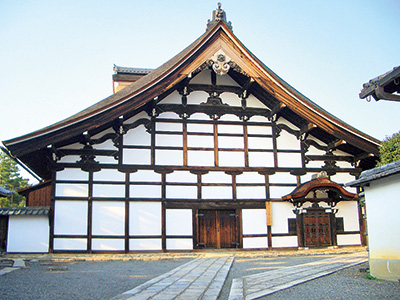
(198, 279)
(263, 284)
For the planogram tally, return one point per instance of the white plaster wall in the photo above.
(164, 126)
(181, 192)
(145, 244)
(169, 157)
(179, 222)
(288, 160)
(108, 218)
(179, 244)
(261, 159)
(107, 145)
(216, 192)
(252, 101)
(181, 176)
(71, 190)
(231, 99)
(145, 175)
(204, 77)
(281, 177)
(348, 239)
(173, 98)
(250, 192)
(28, 234)
(250, 177)
(349, 212)
(72, 174)
(169, 140)
(70, 244)
(276, 192)
(109, 175)
(136, 156)
(280, 213)
(137, 136)
(226, 80)
(231, 159)
(284, 241)
(260, 143)
(70, 159)
(197, 97)
(203, 128)
(144, 218)
(288, 141)
(382, 199)
(70, 217)
(254, 221)
(201, 158)
(255, 243)
(108, 244)
(145, 191)
(108, 190)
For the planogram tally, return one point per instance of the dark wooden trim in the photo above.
(239, 228)
(214, 204)
(348, 232)
(127, 212)
(52, 211)
(90, 214)
(269, 237)
(283, 234)
(195, 228)
(179, 236)
(255, 235)
(246, 144)
(163, 214)
(70, 236)
(153, 141)
(145, 237)
(274, 145)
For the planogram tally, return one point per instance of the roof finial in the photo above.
(218, 15)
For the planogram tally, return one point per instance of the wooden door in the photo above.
(3, 233)
(317, 229)
(217, 228)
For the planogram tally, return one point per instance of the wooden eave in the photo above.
(166, 77)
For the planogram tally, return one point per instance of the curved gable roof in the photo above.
(167, 76)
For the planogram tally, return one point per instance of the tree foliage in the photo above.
(11, 180)
(390, 150)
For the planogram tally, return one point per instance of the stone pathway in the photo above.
(11, 265)
(263, 284)
(198, 279)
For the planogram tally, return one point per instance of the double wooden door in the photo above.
(217, 229)
(317, 229)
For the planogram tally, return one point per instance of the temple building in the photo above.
(210, 150)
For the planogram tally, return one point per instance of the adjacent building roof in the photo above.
(374, 174)
(33, 147)
(384, 87)
(22, 211)
(4, 192)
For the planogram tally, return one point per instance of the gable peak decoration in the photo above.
(220, 63)
(218, 15)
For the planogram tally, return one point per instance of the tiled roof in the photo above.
(383, 87)
(377, 173)
(4, 192)
(135, 71)
(27, 211)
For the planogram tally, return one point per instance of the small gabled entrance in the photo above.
(317, 228)
(216, 229)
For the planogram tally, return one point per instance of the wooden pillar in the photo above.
(127, 212)
(52, 212)
(216, 157)
(163, 212)
(90, 214)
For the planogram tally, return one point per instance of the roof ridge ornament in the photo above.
(218, 15)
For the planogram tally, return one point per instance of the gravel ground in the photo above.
(103, 277)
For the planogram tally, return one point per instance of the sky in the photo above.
(57, 57)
